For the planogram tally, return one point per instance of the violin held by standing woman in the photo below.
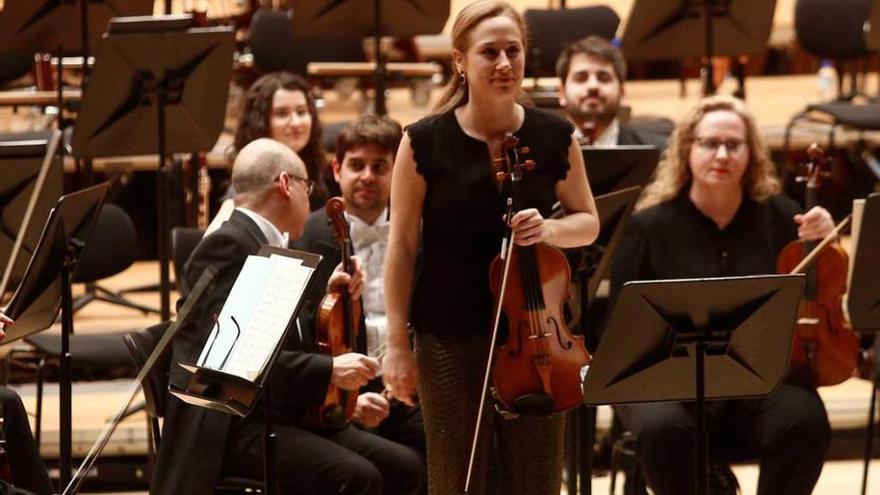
(445, 182)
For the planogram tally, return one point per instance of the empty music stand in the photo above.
(30, 184)
(376, 18)
(620, 167)
(675, 29)
(863, 302)
(46, 288)
(694, 340)
(157, 88)
(593, 262)
(62, 28)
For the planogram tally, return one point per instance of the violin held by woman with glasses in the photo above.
(825, 348)
(338, 325)
(537, 367)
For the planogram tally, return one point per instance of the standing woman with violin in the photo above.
(714, 210)
(444, 181)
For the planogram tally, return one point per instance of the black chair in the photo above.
(96, 356)
(155, 386)
(110, 251)
(552, 30)
(14, 66)
(833, 30)
(183, 241)
(274, 47)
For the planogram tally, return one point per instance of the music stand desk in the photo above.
(46, 288)
(615, 168)
(863, 301)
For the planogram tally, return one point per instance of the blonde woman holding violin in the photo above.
(444, 192)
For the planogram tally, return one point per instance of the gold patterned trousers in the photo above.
(514, 456)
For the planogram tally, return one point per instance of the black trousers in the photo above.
(347, 462)
(27, 468)
(788, 432)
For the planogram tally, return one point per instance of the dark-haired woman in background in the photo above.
(280, 106)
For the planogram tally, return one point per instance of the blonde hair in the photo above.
(468, 18)
(674, 173)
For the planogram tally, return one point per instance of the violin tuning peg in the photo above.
(529, 165)
(498, 161)
(524, 150)
(500, 176)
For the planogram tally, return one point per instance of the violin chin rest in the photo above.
(533, 405)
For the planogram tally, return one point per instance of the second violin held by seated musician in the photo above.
(362, 168)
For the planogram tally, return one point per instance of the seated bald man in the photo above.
(200, 445)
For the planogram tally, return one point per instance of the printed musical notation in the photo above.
(256, 314)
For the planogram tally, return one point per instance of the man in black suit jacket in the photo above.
(591, 74)
(364, 158)
(198, 444)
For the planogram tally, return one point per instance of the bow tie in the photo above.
(363, 235)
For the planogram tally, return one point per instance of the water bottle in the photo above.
(826, 81)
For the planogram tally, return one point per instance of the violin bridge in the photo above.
(808, 321)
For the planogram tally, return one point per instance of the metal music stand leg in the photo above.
(66, 379)
(701, 473)
(270, 472)
(162, 212)
(869, 441)
(588, 434)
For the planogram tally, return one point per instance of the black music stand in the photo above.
(205, 285)
(616, 177)
(695, 340)
(551, 31)
(218, 390)
(157, 88)
(675, 29)
(46, 288)
(863, 302)
(375, 18)
(62, 28)
(593, 262)
(30, 179)
(620, 167)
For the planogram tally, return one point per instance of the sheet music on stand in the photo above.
(249, 331)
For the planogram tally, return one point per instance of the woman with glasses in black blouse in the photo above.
(715, 210)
